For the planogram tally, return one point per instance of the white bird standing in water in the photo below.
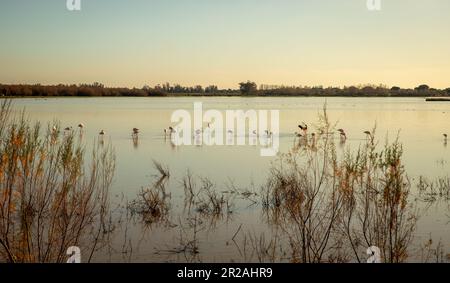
(268, 134)
(343, 135)
(80, 128)
(169, 131)
(135, 133)
(303, 127)
(101, 136)
(370, 137)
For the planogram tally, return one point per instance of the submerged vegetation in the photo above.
(51, 196)
(431, 191)
(153, 204)
(332, 210)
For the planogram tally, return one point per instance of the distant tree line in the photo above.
(360, 90)
(98, 89)
(247, 88)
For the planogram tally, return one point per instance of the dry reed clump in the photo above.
(432, 191)
(162, 169)
(51, 197)
(204, 198)
(331, 207)
(152, 205)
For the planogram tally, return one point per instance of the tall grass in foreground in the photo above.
(332, 209)
(49, 199)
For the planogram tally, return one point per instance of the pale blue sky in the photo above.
(223, 42)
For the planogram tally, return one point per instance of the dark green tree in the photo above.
(422, 88)
(248, 87)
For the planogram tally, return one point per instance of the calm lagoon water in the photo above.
(420, 126)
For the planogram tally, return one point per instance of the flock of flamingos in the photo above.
(303, 133)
